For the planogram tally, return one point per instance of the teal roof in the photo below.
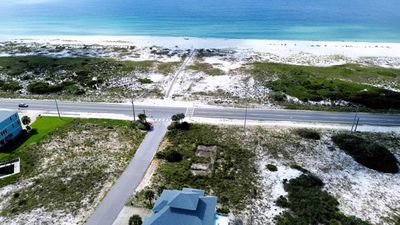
(185, 207)
(5, 114)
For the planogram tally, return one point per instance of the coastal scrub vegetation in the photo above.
(353, 83)
(295, 155)
(71, 76)
(206, 68)
(232, 177)
(309, 204)
(9, 86)
(55, 161)
(82, 66)
(370, 154)
(168, 67)
(308, 133)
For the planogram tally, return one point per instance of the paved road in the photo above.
(220, 113)
(113, 203)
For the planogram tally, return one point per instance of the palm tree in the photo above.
(135, 220)
(177, 118)
(25, 120)
(142, 117)
(149, 195)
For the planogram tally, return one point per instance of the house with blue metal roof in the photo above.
(10, 126)
(184, 207)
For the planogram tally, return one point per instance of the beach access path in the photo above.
(170, 89)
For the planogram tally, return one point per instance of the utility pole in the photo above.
(133, 110)
(354, 121)
(245, 119)
(358, 119)
(58, 110)
(245, 115)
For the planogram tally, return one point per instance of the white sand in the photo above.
(277, 124)
(279, 47)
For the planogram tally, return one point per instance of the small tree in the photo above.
(26, 120)
(135, 220)
(142, 117)
(177, 118)
(174, 118)
(173, 156)
(149, 195)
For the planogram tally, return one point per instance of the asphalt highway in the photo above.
(217, 112)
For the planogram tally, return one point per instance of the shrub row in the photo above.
(367, 153)
(309, 204)
(308, 133)
(9, 85)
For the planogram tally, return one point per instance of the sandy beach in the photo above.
(279, 47)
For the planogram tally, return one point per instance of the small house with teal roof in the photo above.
(185, 207)
(10, 126)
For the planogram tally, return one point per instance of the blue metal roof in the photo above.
(5, 114)
(186, 207)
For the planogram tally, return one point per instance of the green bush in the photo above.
(75, 90)
(309, 204)
(183, 126)
(308, 133)
(278, 96)
(170, 155)
(368, 154)
(135, 220)
(173, 156)
(25, 120)
(223, 211)
(40, 87)
(145, 81)
(10, 86)
(272, 168)
(303, 181)
(140, 125)
(282, 202)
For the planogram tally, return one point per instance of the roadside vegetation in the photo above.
(66, 169)
(368, 153)
(74, 77)
(352, 83)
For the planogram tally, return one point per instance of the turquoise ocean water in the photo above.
(355, 20)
